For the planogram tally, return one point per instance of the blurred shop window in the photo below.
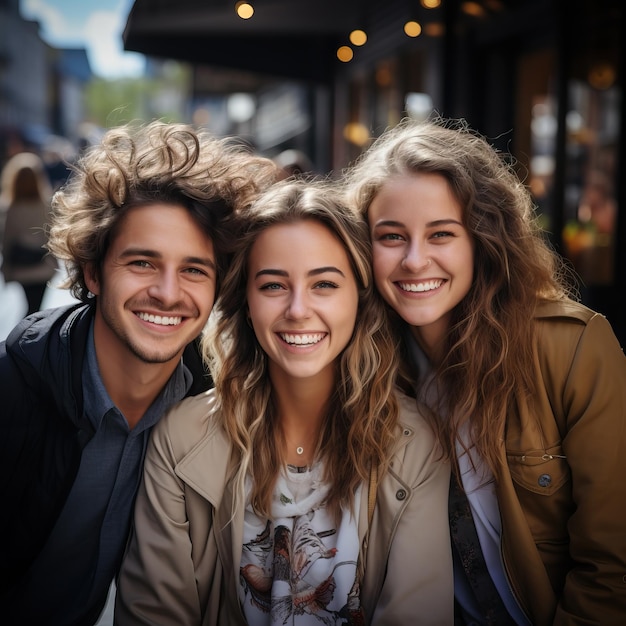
(543, 129)
(590, 238)
(592, 137)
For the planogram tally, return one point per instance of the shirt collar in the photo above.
(98, 402)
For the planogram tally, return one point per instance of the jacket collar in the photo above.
(208, 469)
(206, 466)
(48, 347)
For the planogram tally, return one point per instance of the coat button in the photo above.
(400, 494)
(545, 480)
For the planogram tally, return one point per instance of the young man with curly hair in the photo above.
(142, 228)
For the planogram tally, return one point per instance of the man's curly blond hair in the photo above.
(141, 164)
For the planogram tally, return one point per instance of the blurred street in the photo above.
(13, 302)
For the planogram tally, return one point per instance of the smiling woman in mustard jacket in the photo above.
(526, 386)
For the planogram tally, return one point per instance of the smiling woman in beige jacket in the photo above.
(182, 566)
(305, 488)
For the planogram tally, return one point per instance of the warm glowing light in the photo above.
(412, 29)
(435, 29)
(430, 4)
(384, 76)
(472, 8)
(244, 10)
(345, 54)
(602, 76)
(356, 133)
(358, 37)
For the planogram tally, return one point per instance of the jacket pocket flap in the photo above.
(540, 471)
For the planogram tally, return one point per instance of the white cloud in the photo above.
(99, 31)
(56, 27)
(103, 31)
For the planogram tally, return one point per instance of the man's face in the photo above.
(156, 287)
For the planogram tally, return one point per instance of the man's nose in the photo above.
(166, 287)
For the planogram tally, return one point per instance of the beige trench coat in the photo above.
(182, 563)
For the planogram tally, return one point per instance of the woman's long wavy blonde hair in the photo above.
(489, 353)
(359, 427)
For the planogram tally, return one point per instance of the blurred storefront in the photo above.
(543, 79)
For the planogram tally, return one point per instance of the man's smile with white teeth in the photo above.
(424, 286)
(163, 320)
(302, 340)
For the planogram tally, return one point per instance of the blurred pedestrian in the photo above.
(24, 207)
(141, 227)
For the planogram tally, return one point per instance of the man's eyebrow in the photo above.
(196, 260)
(153, 254)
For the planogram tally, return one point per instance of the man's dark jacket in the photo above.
(42, 427)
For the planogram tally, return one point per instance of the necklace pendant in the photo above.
(300, 450)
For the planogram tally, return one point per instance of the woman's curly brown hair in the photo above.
(489, 351)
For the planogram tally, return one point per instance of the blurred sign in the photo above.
(282, 113)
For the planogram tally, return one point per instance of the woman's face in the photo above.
(423, 255)
(302, 298)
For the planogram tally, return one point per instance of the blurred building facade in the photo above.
(543, 79)
(41, 88)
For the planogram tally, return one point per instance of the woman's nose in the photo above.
(415, 259)
(298, 305)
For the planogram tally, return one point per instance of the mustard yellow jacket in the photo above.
(562, 488)
(182, 563)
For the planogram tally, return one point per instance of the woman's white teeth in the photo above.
(302, 340)
(160, 319)
(427, 286)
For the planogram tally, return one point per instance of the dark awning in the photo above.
(286, 38)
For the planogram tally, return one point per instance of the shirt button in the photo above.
(400, 494)
(545, 480)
